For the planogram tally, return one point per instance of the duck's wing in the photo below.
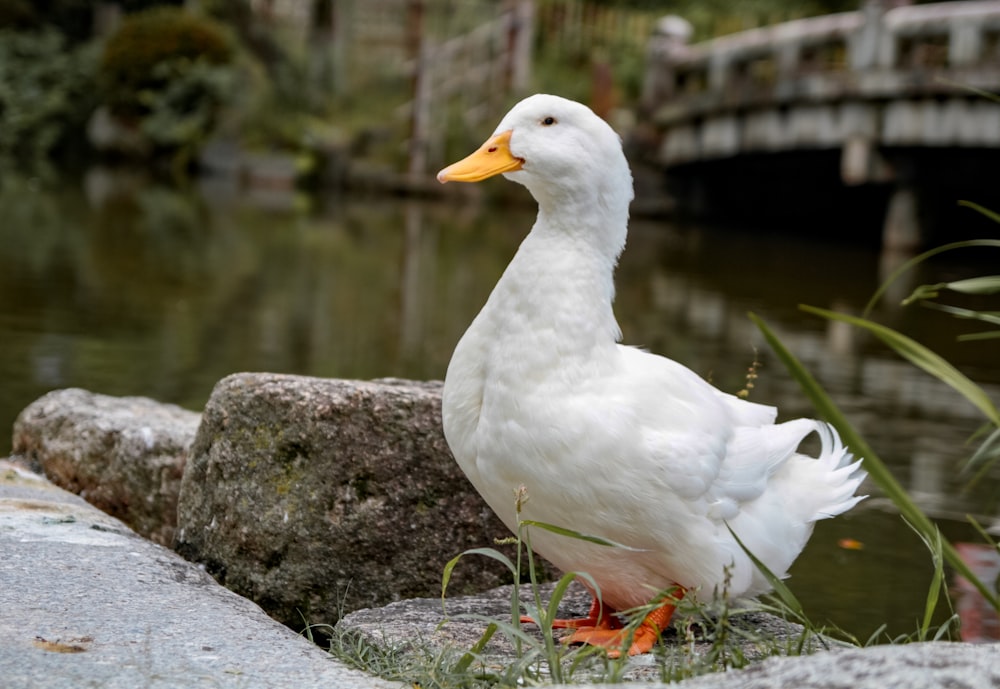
(717, 450)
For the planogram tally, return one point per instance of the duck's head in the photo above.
(557, 148)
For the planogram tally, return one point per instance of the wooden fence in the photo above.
(475, 70)
(456, 63)
(578, 27)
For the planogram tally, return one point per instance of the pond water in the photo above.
(128, 288)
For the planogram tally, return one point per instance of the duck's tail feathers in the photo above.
(839, 471)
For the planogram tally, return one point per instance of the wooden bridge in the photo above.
(893, 102)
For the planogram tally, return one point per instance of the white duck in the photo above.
(606, 439)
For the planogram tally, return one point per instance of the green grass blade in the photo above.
(551, 645)
(981, 209)
(991, 317)
(560, 591)
(873, 464)
(945, 628)
(570, 533)
(873, 637)
(488, 552)
(988, 95)
(922, 357)
(780, 588)
(934, 547)
(916, 260)
(985, 455)
(983, 532)
(469, 656)
(983, 284)
(987, 335)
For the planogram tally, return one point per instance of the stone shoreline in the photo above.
(87, 601)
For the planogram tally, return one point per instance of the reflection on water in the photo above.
(139, 289)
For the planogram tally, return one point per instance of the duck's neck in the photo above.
(557, 292)
(598, 222)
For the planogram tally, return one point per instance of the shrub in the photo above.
(134, 55)
(167, 72)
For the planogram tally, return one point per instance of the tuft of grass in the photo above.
(938, 586)
(542, 657)
(705, 636)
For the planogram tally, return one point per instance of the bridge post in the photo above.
(718, 66)
(901, 230)
(965, 43)
(862, 163)
(667, 45)
(865, 43)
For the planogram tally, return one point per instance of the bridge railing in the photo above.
(871, 52)
(952, 35)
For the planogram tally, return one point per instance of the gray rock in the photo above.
(312, 496)
(418, 629)
(423, 628)
(930, 665)
(88, 603)
(419, 624)
(124, 455)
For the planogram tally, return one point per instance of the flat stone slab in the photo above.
(86, 602)
(422, 627)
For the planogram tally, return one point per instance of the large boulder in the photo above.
(124, 455)
(315, 497)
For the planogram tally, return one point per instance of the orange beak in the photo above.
(492, 158)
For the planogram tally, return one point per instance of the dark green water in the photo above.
(133, 289)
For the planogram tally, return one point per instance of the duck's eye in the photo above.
(549, 121)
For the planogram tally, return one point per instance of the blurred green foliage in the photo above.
(168, 73)
(154, 49)
(181, 113)
(46, 95)
(164, 71)
(73, 18)
(174, 73)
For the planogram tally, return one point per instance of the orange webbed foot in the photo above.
(643, 639)
(602, 628)
(600, 616)
(612, 640)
